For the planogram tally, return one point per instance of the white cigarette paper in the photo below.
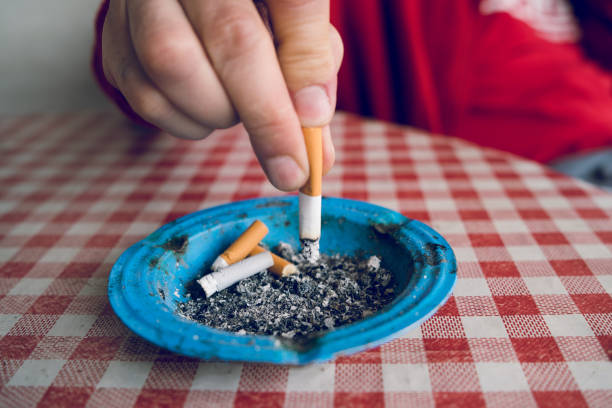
(224, 278)
(310, 216)
(219, 264)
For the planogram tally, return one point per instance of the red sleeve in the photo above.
(490, 79)
(595, 20)
(98, 71)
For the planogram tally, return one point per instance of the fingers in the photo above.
(146, 100)
(243, 55)
(329, 154)
(328, 147)
(302, 31)
(338, 53)
(172, 55)
(124, 72)
(196, 65)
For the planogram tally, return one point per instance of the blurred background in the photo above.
(540, 100)
(45, 48)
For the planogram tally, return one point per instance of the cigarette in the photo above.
(281, 267)
(310, 193)
(226, 277)
(242, 246)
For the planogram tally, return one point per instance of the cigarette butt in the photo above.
(310, 193)
(314, 148)
(281, 267)
(242, 246)
(226, 277)
(310, 216)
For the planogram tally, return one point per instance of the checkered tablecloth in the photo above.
(530, 322)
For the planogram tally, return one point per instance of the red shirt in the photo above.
(450, 68)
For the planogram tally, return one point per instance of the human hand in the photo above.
(194, 67)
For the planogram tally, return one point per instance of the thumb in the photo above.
(302, 32)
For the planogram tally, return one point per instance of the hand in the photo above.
(193, 66)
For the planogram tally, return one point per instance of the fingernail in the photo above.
(312, 105)
(284, 173)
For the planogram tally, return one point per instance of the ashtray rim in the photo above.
(158, 324)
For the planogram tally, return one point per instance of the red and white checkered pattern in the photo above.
(530, 322)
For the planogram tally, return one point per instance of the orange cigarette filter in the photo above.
(281, 267)
(245, 243)
(314, 147)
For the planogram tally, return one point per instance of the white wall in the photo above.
(45, 48)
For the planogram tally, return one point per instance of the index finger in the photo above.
(243, 55)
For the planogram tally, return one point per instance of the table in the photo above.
(529, 324)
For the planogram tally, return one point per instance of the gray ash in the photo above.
(310, 250)
(334, 291)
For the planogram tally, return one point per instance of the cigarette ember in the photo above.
(332, 292)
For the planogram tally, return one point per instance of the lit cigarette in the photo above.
(281, 267)
(224, 278)
(242, 246)
(310, 193)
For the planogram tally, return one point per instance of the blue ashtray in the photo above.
(150, 278)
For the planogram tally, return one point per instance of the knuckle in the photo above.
(233, 33)
(305, 65)
(168, 56)
(148, 104)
